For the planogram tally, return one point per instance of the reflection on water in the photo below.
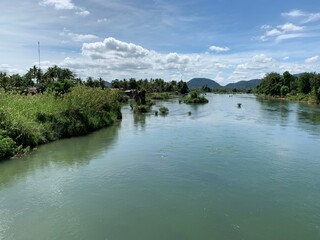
(307, 117)
(71, 152)
(139, 120)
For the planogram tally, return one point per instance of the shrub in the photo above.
(195, 98)
(7, 146)
(163, 110)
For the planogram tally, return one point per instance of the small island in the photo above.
(195, 98)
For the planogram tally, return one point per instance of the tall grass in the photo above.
(27, 121)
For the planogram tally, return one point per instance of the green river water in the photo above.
(223, 172)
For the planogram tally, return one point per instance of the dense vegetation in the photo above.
(195, 97)
(61, 106)
(302, 87)
(151, 86)
(144, 91)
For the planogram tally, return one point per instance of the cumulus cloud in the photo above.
(312, 59)
(113, 47)
(257, 66)
(219, 49)
(65, 5)
(112, 58)
(119, 59)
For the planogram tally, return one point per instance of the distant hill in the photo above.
(244, 84)
(197, 83)
(106, 84)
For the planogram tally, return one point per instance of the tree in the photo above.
(184, 87)
(304, 83)
(270, 84)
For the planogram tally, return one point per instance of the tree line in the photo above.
(157, 85)
(288, 85)
(62, 79)
(55, 78)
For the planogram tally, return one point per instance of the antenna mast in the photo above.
(39, 70)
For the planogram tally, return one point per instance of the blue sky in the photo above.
(223, 40)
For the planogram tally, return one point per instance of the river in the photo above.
(222, 172)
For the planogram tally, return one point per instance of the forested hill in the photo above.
(198, 83)
(244, 84)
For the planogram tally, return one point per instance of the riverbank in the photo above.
(300, 97)
(28, 121)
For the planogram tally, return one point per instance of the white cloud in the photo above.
(293, 13)
(102, 20)
(82, 12)
(219, 49)
(118, 59)
(285, 58)
(252, 68)
(312, 60)
(65, 5)
(261, 58)
(113, 47)
(265, 26)
(282, 32)
(289, 27)
(289, 36)
(273, 32)
(59, 4)
(4, 65)
(77, 37)
(305, 17)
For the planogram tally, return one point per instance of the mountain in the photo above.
(244, 84)
(197, 83)
(107, 84)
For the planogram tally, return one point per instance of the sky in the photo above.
(223, 40)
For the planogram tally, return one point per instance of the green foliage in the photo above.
(160, 96)
(163, 110)
(184, 88)
(304, 83)
(7, 146)
(303, 87)
(32, 120)
(195, 97)
(284, 90)
(141, 108)
(157, 85)
(205, 88)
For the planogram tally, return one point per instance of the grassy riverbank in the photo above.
(27, 121)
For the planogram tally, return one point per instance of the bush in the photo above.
(195, 98)
(141, 108)
(8, 147)
(163, 110)
(160, 96)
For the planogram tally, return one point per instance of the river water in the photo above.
(222, 172)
